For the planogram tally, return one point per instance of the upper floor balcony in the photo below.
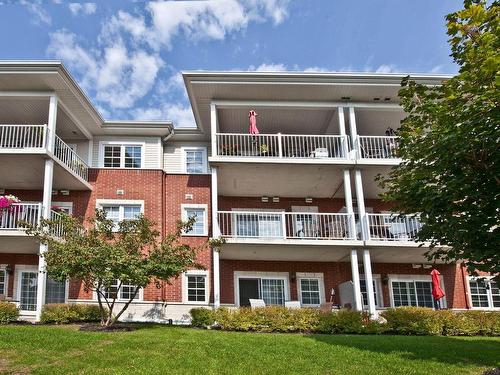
(26, 141)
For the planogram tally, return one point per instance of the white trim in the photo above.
(377, 278)
(184, 149)
(259, 275)
(488, 293)
(184, 217)
(408, 278)
(17, 285)
(120, 203)
(185, 275)
(6, 280)
(321, 282)
(122, 145)
(140, 296)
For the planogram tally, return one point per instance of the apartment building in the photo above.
(297, 200)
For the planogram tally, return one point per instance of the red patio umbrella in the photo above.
(252, 116)
(437, 292)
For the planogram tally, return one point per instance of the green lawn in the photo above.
(161, 349)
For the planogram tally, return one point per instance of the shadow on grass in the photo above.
(450, 350)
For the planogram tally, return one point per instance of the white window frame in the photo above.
(417, 278)
(17, 283)
(101, 203)
(260, 275)
(184, 217)
(65, 205)
(3, 268)
(487, 279)
(321, 282)
(66, 289)
(140, 296)
(378, 289)
(185, 275)
(184, 151)
(122, 145)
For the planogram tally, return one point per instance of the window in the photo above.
(273, 291)
(123, 292)
(119, 211)
(364, 293)
(127, 291)
(264, 225)
(195, 160)
(3, 282)
(484, 293)
(412, 293)
(122, 156)
(55, 291)
(196, 288)
(310, 291)
(199, 212)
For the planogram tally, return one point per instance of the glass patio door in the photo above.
(27, 291)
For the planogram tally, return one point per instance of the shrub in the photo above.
(268, 319)
(471, 323)
(414, 321)
(201, 317)
(70, 313)
(8, 312)
(342, 321)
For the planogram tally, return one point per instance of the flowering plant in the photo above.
(6, 202)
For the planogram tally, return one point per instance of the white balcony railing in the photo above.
(282, 146)
(20, 214)
(392, 227)
(69, 157)
(16, 137)
(286, 225)
(377, 147)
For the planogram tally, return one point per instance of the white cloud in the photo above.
(268, 68)
(180, 114)
(387, 68)
(84, 8)
(315, 69)
(35, 7)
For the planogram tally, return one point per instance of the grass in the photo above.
(154, 349)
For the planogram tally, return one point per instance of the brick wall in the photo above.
(12, 260)
(337, 273)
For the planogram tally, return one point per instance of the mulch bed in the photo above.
(118, 327)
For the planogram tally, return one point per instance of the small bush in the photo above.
(268, 319)
(414, 321)
(342, 321)
(8, 312)
(471, 323)
(201, 317)
(70, 313)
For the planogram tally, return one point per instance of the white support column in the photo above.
(348, 203)
(345, 147)
(215, 234)
(354, 133)
(90, 152)
(360, 199)
(369, 283)
(213, 128)
(46, 202)
(358, 301)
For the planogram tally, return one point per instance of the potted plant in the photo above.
(264, 149)
(7, 202)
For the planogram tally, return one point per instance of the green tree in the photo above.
(103, 254)
(450, 147)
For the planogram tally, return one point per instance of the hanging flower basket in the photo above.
(7, 202)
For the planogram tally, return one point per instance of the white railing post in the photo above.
(354, 132)
(213, 128)
(283, 224)
(369, 282)
(358, 301)
(280, 145)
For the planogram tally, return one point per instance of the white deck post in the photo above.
(369, 282)
(342, 132)
(360, 198)
(213, 128)
(348, 204)
(215, 234)
(358, 301)
(354, 133)
(46, 202)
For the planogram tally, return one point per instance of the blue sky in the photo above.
(128, 55)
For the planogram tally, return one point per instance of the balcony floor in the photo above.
(24, 171)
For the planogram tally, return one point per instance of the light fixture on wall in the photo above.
(189, 197)
(293, 277)
(54, 192)
(309, 200)
(264, 199)
(276, 199)
(65, 192)
(427, 266)
(2, 191)
(416, 265)
(120, 192)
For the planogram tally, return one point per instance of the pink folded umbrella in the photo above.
(437, 292)
(252, 116)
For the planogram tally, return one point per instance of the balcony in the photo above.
(282, 147)
(253, 226)
(13, 222)
(20, 144)
(392, 228)
(377, 148)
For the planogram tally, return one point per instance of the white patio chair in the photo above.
(254, 303)
(292, 304)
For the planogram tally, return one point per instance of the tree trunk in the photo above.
(125, 307)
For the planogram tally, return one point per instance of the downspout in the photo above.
(164, 210)
(466, 287)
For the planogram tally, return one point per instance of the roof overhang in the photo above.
(296, 89)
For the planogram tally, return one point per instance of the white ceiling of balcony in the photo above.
(271, 120)
(370, 121)
(35, 111)
(284, 180)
